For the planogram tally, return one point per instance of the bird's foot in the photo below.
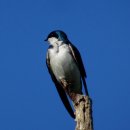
(65, 83)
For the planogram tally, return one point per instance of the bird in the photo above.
(66, 68)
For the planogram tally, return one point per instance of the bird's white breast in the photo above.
(63, 64)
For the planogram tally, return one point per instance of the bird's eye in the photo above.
(52, 34)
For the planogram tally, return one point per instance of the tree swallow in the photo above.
(66, 68)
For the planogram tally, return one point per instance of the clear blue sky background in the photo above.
(101, 31)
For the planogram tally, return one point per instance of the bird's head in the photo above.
(56, 36)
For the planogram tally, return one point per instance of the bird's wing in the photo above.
(76, 55)
(60, 89)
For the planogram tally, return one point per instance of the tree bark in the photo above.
(83, 108)
(83, 112)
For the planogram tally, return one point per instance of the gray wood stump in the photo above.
(83, 112)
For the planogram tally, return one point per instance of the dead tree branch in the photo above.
(83, 112)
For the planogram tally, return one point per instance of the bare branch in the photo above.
(83, 112)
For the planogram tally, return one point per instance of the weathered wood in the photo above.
(83, 112)
(83, 108)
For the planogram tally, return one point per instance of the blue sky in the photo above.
(99, 29)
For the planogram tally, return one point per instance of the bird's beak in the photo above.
(45, 40)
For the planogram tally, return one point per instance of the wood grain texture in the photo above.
(83, 113)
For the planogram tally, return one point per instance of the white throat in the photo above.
(54, 41)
